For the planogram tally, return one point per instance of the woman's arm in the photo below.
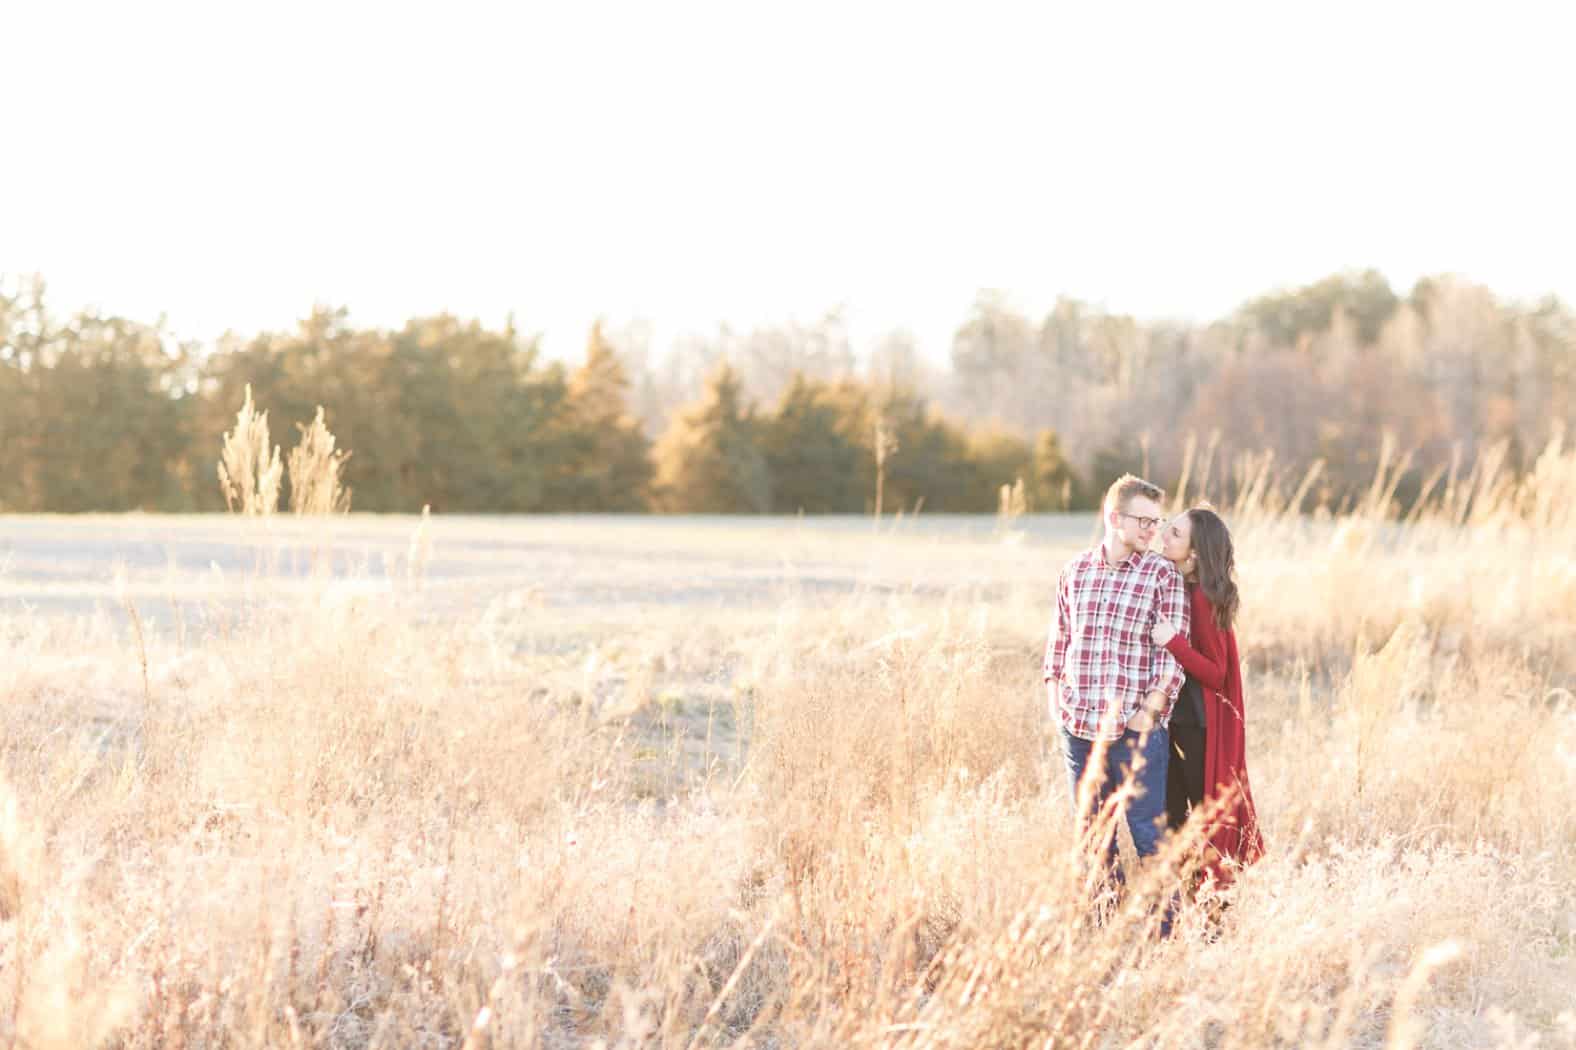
(1205, 658)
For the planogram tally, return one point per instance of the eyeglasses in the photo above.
(1144, 523)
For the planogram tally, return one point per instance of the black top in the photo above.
(1189, 708)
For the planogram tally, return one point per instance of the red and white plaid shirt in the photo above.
(1101, 651)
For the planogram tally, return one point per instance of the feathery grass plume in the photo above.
(1406, 1030)
(884, 446)
(419, 552)
(1012, 503)
(249, 474)
(315, 471)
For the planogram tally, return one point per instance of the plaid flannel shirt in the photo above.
(1101, 652)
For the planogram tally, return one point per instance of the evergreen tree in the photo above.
(1288, 317)
(816, 463)
(606, 461)
(1051, 482)
(997, 458)
(111, 421)
(930, 464)
(481, 416)
(710, 459)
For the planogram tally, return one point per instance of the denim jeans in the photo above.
(1146, 814)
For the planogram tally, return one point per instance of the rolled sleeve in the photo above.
(1056, 645)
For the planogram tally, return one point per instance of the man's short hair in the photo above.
(1129, 487)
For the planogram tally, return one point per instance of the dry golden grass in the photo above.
(249, 474)
(814, 822)
(316, 470)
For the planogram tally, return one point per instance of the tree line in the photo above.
(105, 413)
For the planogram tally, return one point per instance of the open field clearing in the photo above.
(79, 564)
(677, 782)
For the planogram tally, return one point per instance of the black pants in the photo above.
(1184, 773)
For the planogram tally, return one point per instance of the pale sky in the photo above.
(230, 164)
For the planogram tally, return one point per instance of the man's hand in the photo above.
(1148, 715)
(1164, 631)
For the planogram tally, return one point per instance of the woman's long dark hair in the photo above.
(1217, 564)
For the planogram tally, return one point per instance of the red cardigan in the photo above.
(1212, 661)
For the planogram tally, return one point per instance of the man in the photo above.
(1111, 688)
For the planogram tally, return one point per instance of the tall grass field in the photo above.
(663, 782)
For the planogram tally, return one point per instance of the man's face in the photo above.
(1137, 524)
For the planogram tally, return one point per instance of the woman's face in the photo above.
(1176, 541)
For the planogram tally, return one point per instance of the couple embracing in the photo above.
(1144, 678)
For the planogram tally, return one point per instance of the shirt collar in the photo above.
(1127, 563)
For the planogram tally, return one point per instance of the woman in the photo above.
(1208, 748)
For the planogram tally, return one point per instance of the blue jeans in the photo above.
(1146, 815)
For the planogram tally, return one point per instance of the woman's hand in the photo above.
(1164, 631)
